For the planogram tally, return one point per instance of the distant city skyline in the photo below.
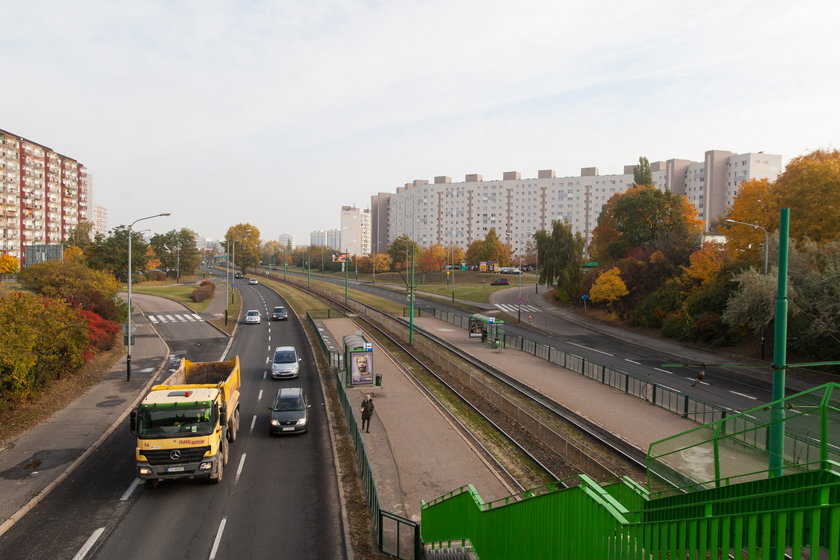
(279, 114)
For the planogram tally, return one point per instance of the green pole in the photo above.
(309, 266)
(346, 273)
(411, 302)
(776, 444)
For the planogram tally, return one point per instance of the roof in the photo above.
(179, 395)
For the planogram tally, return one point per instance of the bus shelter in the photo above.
(490, 330)
(358, 360)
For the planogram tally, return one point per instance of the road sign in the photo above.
(519, 301)
(584, 297)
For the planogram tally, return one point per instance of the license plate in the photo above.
(289, 429)
(175, 469)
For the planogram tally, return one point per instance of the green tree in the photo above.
(646, 218)
(473, 255)
(400, 252)
(81, 236)
(177, 251)
(111, 253)
(642, 175)
(561, 257)
(494, 250)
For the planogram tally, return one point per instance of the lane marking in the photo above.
(693, 378)
(239, 470)
(131, 488)
(259, 397)
(170, 318)
(671, 388)
(253, 421)
(218, 538)
(267, 358)
(592, 349)
(89, 544)
(265, 374)
(197, 317)
(269, 347)
(743, 395)
(632, 361)
(664, 371)
(153, 319)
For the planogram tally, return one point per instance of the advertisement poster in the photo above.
(476, 326)
(361, 367)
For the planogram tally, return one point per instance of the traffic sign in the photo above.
(519, 301)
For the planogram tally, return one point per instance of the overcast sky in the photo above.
(277, 113)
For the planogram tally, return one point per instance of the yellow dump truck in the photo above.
(184, 426)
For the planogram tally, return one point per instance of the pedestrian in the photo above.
(700, 375)
(483, 336)
(367, 412)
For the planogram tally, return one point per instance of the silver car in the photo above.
(286, 363)
(252, 316)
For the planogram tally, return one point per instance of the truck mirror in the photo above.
(132, 421)
(223, 415)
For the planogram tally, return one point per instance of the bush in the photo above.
(210, 284)
(155, 275)
(102, 333)
(203, 293)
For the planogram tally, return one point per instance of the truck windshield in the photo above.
(172, 422)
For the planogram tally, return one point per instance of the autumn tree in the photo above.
(271, 252)
(400, 252)
(608, 288)
(642, 175)
(80, 236)
(74, 254)
(561, 257)
(473, 254)
(177, 251)
(810, 187)
(8, 265)
(242, 243)
(756, 203)
(83, 287)
(433, 258)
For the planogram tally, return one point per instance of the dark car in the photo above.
(237, 275)
(290, 412)
(500, 282)
(279, 313)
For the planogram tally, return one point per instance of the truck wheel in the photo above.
(234, 426)
(219, 472)
(225, 452)
(151, 483)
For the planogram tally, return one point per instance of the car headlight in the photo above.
(145, 470)
(275, 422)
(206, 466)
(301, 422)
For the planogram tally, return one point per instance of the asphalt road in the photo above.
(279, 497)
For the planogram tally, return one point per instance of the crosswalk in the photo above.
(176, 318)
(514, 308)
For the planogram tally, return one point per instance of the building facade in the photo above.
(446, 213)
(355, 231)
(288, 240)
(43, 195)
(326, 238)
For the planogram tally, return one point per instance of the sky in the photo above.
(277, 113)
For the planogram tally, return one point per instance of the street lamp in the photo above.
(233, 258)
(128, 330)
(766, 249)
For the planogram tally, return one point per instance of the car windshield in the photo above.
(252, 313)
(289, 403)
(284, 357)
(170, 422)
(279, 310)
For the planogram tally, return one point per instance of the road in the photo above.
(279, 498)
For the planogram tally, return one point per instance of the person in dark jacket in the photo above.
(367, 412)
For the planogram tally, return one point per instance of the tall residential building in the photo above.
(355, 231)
(326, 238)
(379, 222)
(447, 213)
(288, 240)
(100, 220)
(43, 195)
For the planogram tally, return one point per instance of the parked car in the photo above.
(290, 412)
(253, 281)
(500, 282)
(279, 313)
(252, 316)
(286, 363)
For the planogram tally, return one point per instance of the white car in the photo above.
(253, 281)
(252, 316)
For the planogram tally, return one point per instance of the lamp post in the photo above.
(233, 258)
(766, 254)
(519, 298)
(128, 330)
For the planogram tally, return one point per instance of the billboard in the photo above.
(361, 367)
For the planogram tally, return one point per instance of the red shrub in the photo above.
(101, 333)
(203, 293)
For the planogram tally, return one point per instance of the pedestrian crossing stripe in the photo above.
(176, 318)
(514, 308)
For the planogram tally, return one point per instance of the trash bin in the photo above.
(377, 380)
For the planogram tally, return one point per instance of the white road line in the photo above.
(269, 339)
(671, 388)
(664, 371)
(632, 361)
(743, 395)
(190, 318)
(253, 421)
(131, 488)
(693, 378)
(218, 538)
(171, 318)
(259, 397)
(269, 347)
(89, 544)
(265, 375)
(153, 319)
(197, 317)
(588, 348)
(162, 319)
(239, 470)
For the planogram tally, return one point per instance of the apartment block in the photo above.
(326, 238)
(43, 195)
(355, 231)
(447, 213)
(287, 240)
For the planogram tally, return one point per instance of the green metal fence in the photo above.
(664, 397)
